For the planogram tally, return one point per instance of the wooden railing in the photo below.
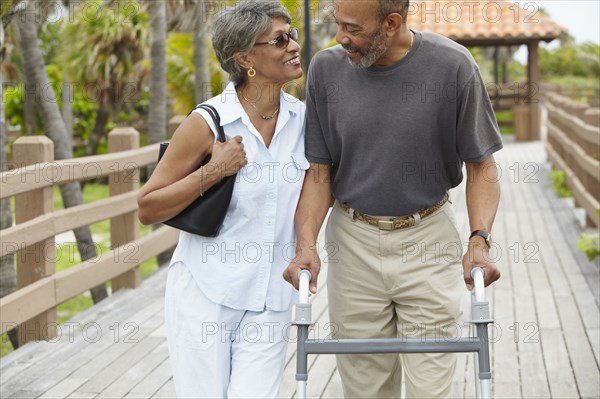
(32, 239)
(522, 99)
(574, 147)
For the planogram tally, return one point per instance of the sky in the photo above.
(580, 17)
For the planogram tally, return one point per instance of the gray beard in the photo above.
(373, 52)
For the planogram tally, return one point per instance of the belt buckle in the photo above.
(387, 225)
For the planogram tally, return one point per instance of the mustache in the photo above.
(351, 48)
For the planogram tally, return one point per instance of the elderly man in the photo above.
(392, 117)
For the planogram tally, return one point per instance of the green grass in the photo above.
(68, 255)
(559, 183)
(507, 115)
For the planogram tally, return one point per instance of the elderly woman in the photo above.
(227, 307)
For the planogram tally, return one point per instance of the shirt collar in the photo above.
(233, 109)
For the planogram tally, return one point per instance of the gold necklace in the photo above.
(266, 118)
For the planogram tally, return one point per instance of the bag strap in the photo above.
(214, 114)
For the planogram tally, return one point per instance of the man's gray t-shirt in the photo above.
(397, 136)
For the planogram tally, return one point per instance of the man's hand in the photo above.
(305, 259)
(477, 256)
(483, 196)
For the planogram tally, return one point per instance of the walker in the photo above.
(478, 344)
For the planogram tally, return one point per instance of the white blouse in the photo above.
(242, 267)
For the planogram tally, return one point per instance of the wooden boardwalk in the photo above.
(546, 337)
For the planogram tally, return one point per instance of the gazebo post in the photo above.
(533, 89)
(496, 69)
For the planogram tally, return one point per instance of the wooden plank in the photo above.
(27, 303)
(159, 382)
(86, 275)
(320, 374)
(64, 388)
(86, 360)
(587, 163)
(24, 394)
(334, 388)
(167, 391)
(135, 375)
(35, 262)
(82, 396)
(561, 380)
(102, 314)
(580, 193)
(526, 328)
(58, 288)
(107, 376)
(124, 228)
(40, 175)
(586, 132)
(50, 224)
(563, 270)
(86, 356)
(505, 365)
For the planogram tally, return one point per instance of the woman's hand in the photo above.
(227, 158)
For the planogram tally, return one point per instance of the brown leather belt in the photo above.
(401, 222)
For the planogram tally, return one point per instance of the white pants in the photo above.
(219, 352)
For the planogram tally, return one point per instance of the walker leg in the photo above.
(485, 374)
(301, 390)
(476, 372)
(486, 389)
(301, 362)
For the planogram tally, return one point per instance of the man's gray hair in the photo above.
(387, 7)
(236, 29)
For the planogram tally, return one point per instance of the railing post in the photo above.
(124, 228)
(38, 260)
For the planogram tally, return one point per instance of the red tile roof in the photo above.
(486, 21)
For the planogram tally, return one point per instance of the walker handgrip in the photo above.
(304, 278)
(478, 286)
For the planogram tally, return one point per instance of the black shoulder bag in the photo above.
(205, 215)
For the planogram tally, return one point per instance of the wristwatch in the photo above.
(484, 234)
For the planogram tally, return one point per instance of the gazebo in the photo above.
(497, 24)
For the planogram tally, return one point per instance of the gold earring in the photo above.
(251, 72)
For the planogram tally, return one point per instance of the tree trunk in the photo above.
(54, 128)
(29, 106)
(67, 108)
(8, 275)
(102, 117)
(201, 68)
(157, 118)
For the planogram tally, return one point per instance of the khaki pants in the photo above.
(405, 283)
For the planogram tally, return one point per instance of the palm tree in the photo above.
(201, 52)
(157, 117)
(54, 128)
(8, 275)
(106, 54)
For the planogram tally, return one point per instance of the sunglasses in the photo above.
(283, 40)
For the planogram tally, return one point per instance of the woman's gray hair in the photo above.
(236, 29)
